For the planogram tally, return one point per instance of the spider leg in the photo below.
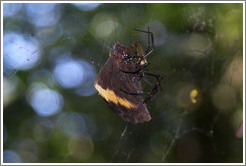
(131, 72)
(154, 90)
(152, 41)
(148, 47)
(130, 93)
(157, 86)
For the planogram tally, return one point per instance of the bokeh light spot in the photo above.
(237, 118)
(42, 132)
(195, 45)
(86, 6)
(234, 72)
(69, 74)
(81, 149)
(73, 124)
(42, 14)
(224, 98)
(103, 25)
(26, 148)
(45, 102)
(10, 156)
(105, 28)
(87, 87)
(159, 31)
(76, 74)
(20, 52)
(10, 86)
(11, 9)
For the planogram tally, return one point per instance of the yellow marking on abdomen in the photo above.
(109, 95)
(143, 62)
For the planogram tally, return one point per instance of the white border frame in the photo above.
(2, 2)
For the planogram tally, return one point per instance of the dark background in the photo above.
(52, 53)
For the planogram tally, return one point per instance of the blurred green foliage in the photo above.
(198, 47)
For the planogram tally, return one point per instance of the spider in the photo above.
(119, 80)
(139, 59)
